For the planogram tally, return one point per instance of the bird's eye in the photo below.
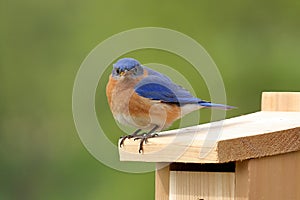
(135, 70)
(118, 71)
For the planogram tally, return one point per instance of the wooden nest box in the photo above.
(254, 156)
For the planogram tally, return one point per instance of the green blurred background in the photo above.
(255, 44)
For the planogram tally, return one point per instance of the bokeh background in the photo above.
(255, 44)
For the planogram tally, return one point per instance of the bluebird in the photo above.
(148, 100)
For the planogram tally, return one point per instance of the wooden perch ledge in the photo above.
(254, 135)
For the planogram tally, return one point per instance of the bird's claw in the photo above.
(128, 137)
(144, 139)
(124, 138)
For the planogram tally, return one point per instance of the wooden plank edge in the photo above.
(188, 154)
(257, 146)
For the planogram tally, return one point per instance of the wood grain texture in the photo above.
(259, 145)
(281, 101)
(254, 135)
(162, 181)
(242, 180)
(202, 185)
(274, 177)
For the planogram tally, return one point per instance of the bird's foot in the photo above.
(123, 138)
(144, 139)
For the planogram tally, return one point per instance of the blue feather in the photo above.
(163, 89)
(126, 63)
(215, 105)
(157, 86)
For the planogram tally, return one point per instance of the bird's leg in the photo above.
(134, 134)
(144, 137)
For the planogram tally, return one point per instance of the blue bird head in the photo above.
(127, 67)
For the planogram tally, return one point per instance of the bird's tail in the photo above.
(215, 105)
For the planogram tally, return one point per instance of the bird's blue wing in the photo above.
(159, 87)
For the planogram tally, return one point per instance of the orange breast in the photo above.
(146, 112)
(109, 89)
